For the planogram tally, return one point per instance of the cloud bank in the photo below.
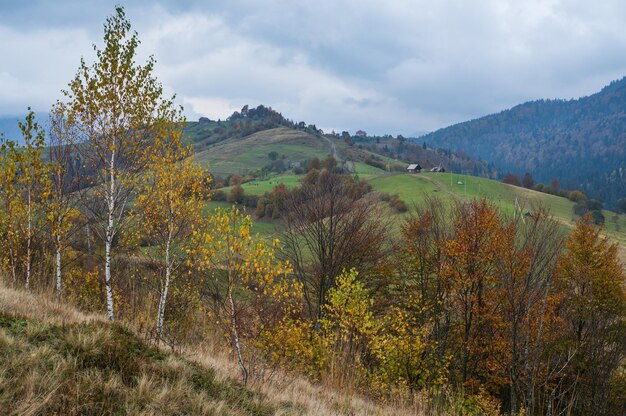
(385, 67)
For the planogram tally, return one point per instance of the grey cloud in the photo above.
(395, 67)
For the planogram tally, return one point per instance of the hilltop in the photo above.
(580, 142)
(260, 140)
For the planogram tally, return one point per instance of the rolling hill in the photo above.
(452, 187)
(580, 142)
(243, 142)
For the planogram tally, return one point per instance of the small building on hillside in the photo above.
(438, 169)
(414, 168)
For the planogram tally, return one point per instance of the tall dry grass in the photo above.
(59, 359)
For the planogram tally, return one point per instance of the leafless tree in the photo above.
(331, 226)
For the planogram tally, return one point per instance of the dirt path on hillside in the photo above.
(441, 186)
(333, 149)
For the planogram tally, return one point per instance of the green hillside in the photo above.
(580, 142)
(244, 155)
(451, 186)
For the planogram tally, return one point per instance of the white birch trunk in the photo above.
(59, 283)
(165, 289)
(107, 279)
(109, 239)
(28, 240)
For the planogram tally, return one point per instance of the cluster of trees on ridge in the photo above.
(507, 312)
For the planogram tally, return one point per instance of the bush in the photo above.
(262, 202)
(219, 195)
(375, 163)
(594, 205)
(394, 201)
(398, 204)
(598, 217)
(250, 201)
(577, 196)
(236, 194)
(580, 208)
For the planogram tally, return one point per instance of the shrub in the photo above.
(577, 196)
(598, 217)
(250, 201)
(219, 195)
(236, 194)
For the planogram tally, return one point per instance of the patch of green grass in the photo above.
(242, 155)
(451, 186)
(410, 188)
(260, 187)
(363, 168)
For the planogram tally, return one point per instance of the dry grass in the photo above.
(307, 398)
(43, 307)
(60, 360)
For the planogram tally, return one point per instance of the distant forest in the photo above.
(580, 142)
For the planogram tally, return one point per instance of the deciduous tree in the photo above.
(169, 206)
(595, 313)
(247, 286)
(62, 209)
(34, 187)
(118, 107)
(331, 227)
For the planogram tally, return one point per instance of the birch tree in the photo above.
(63, 211)
(34, 184)
(119, 109)
(9, 203)
(246, 282)
(169, 207)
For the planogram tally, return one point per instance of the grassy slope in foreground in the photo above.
(56, 360)
(55, 365)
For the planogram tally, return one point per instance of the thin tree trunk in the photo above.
(109, 239)
(235, 333)
(166, 286)
(13, 271)
(107, 278)
(513, 369)
(59, 282)
(28, 240)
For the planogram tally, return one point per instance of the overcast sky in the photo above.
(382, 66)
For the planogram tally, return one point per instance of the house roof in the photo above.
(413, 166)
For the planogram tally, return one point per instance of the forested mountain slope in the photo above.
(580, 142)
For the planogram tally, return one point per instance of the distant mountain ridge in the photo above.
(10, 129)
(581, 142)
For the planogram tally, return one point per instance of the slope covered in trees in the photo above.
(581, 142)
